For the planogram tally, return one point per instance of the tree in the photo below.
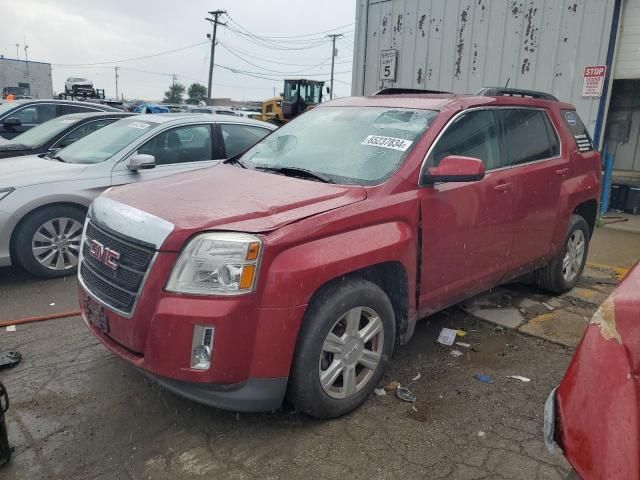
(174, 94)
(197, 93)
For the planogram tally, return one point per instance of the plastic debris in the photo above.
(464, 345)
(460, 333)
(483, 378)
(447, 336)
(9, 359)
(416, 378)
(547, 306)
(52, 304)
(456, 353)
(392, 386)
(405, 395)
(11, 328)
(519, 377)
(481, 434)
(380, 392)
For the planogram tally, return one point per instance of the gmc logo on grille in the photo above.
(104, 255)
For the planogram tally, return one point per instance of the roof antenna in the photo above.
(507, 84)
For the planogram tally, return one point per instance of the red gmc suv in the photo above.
(295, 268)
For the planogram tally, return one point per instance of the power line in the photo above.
(295, 36)
(271, 60)
(128, 59)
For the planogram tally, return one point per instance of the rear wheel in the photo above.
(563, 272)
(47, 243)
(343, 348)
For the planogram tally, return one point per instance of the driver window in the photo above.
(182, 144)
(474, 134)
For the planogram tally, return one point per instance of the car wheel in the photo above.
(563, 272)
(346, 339)
(47, 243)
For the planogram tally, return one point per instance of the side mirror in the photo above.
(12, 122)
(454, 168)
(328, 90)
(141, 161)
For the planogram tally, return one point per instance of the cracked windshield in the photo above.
(283, 240)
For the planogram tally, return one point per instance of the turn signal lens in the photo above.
(246, 280)
(253, 250)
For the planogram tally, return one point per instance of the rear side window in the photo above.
(578, 130)
(238, 138)
(68, 109)
(528, 136)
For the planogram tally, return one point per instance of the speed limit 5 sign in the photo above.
(388, 64)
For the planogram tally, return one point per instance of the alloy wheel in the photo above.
(351, 352)
(56, 243)
(572, 261)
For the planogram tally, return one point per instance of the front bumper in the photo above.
(252, 395)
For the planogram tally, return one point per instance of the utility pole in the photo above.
(214, 20)
(117, 68)
(333, 58)
(17, 51)
(26, 56)
(173, 79)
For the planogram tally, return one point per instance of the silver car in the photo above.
(43, 200)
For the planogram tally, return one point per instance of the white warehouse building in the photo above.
(33, 78)
(586, 52)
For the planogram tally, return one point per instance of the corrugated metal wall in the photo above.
(463, 45)
(628, 56)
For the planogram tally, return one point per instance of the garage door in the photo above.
(628, 58)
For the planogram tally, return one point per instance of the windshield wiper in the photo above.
(297, 172)
(235, 161)
(59, 158)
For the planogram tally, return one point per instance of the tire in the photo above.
(54, 231)
(358, 354)
(555, 277)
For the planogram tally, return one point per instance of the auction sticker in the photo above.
(140, 125)
(399, 144)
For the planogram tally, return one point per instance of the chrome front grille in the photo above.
(117, 287)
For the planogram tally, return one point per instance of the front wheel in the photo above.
(345, 342)
(47, 243)
(563, 272)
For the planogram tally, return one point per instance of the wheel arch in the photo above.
(589, 211)
(392, 278)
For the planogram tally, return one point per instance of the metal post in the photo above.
(215, 22)
(333, 59)
(117, 68)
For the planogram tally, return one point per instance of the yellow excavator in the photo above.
(299, 95)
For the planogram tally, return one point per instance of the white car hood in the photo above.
(33, 170)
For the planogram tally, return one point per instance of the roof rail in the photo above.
(400, 91)
(513, 92)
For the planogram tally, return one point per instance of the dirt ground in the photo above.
(78, 412)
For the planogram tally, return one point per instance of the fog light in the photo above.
(201, 347)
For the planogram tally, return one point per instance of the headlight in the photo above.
(218, 263)
(5, 191)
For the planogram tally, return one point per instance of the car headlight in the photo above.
(217, 263)
(5, 191)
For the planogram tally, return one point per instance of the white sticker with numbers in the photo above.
(399, 144)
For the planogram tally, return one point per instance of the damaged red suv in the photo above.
(295, 269)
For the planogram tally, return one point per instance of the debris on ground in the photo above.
(11, 328)
(9, 359)
(547, 306)
(519, 377)
(392, 386)
(52, 304)
(416, 378)
(405, 394)
(447, 336)
(464, 345)
(456, 353)
(380, 392)
(460, 333)
(481, 434)
(483, 378)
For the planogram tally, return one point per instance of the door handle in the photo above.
(562, 171)
(502, 187)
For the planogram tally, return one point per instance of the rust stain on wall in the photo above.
(421, 24)
(419, 79)
(460, 44)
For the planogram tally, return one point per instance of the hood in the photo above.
(226, 197)
(32, 170)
